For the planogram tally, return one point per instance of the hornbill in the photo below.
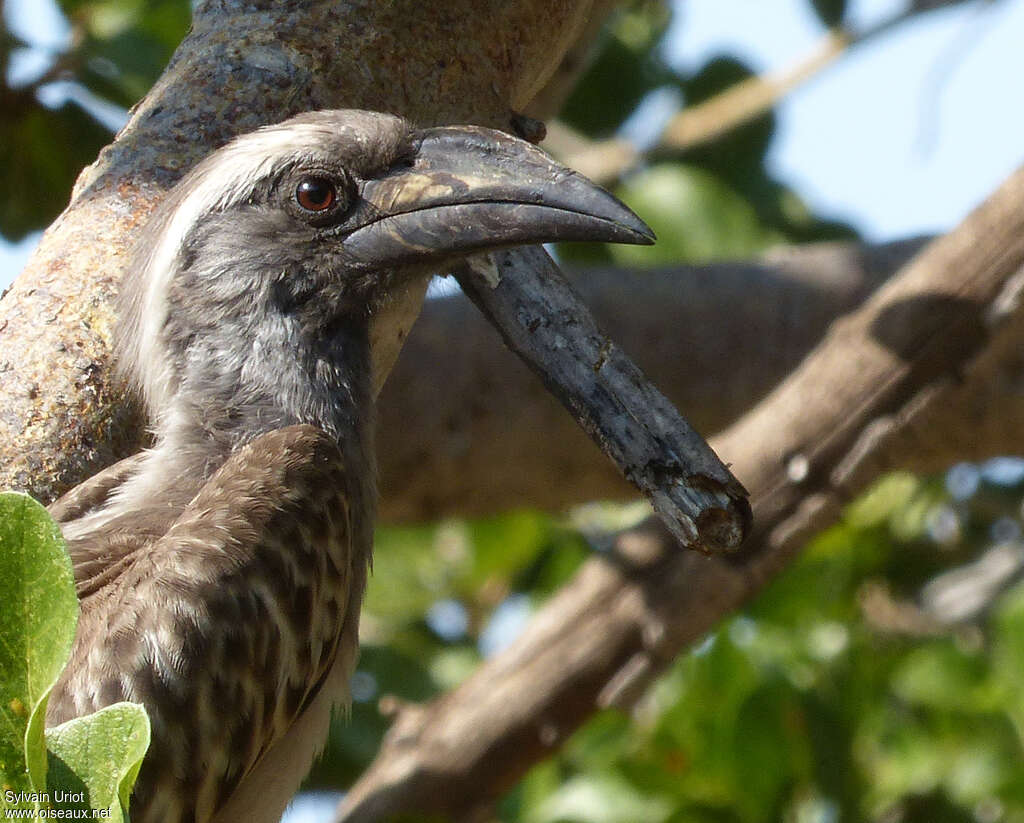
(220, 573)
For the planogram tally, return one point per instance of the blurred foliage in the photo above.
(816, 704)
(717, 200)
(42, 152)
(830, 12)
(116, 50)
(835, 697)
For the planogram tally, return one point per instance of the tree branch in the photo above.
(875, 381)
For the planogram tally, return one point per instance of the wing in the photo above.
(227, 625)
(94, 492)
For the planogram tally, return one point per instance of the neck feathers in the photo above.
(218, 409)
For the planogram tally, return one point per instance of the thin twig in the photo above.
(606, 161)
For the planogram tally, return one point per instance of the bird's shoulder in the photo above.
(94, 492)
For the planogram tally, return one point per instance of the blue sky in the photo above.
(904, 135)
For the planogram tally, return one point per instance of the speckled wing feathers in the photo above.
(256, 581)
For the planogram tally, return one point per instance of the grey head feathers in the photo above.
(242, 174)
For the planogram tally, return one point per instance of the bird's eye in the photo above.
(316, 194)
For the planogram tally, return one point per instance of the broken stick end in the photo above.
(722, 531)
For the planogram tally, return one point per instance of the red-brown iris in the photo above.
(316, 194)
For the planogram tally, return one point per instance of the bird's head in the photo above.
(273, 254)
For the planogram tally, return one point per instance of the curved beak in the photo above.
(469, 188)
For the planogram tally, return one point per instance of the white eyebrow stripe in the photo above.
(215, 186)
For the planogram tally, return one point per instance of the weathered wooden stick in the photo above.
(543, 320)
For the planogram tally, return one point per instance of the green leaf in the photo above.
(739, 155)
(94, 760)
(600, 798)
(695, 214)
(408, 572)
(621, 73)
(830, 12)
(503, 545)
(35, 745)
(124, 44)
(38, 614)
(41, 151)
(884, 500)
(941, 676)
